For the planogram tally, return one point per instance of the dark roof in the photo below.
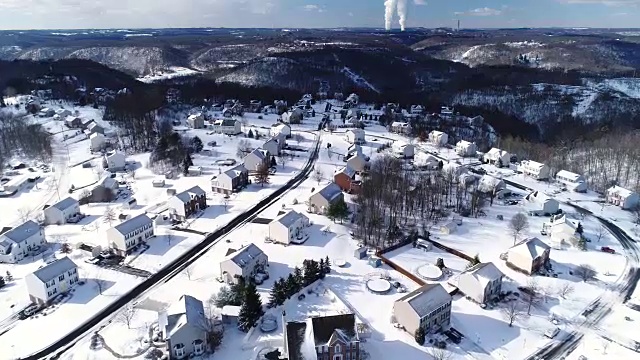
(325, 326)
(295, 338)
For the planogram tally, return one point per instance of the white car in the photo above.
(551, 333)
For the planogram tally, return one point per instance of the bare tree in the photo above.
(127, 315)
(439, 354)
(531, 295)
(225, 202)
(600, 232)
(512, 312)
(109, 216)
(605, 346)
(565, 290)
(585, 272)
(518, 224)
(189, 271)
(101, 283)
(170, 236)
(24, 214)
(318, 176)
(283, 159)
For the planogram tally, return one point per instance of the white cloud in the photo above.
(420, 2)
(604, 2)
(484, 11)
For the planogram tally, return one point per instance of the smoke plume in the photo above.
(402, 13)
(389, 7)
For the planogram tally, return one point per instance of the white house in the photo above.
(97, 142)
(491, 185)
(465, 148)
(357, 161)
(355, 136)
(528, 256)
(622, 197)
(19, 242)
(438, 138)
(257, 158)
(425, 160)
(454, 170)
(184, 327)
(230, 181)
(428, 307)
(194, 170)
(289, 228)
(320, 201)
(449, 228)
(402, 150)
(544, 205)
(245, 262)
(196, 121)
(400, 127)
(353, 99)
(115, 161)
(51, 280)
(274, 145)
(227, 127)
(536, 170)
(572, 181)
(482, 282)
(281, 128)
(417, 109)
(497, 157)
(561, 230)
(62, 212)
(129, 234)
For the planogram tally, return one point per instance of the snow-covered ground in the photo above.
(171, 73)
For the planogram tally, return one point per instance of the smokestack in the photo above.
(402, 13)
(458, 24)
(389, 7)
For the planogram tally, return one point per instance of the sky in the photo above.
(82, 14)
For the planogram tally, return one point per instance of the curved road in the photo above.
(174, 268)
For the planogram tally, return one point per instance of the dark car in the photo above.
(607, 250)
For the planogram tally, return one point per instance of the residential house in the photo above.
(62, 212)
(194, 170)
(217, 107)
(73, 122)
(355, 136)
(63, 113)
(115, 161)
(352, 149)
(446, 112)
(105, 190)
(128, 235)
(402, 150)
(536, 170)
(97, 142)
(497, 157)
(426, 161)
(16, 183)
(184, 204)
(294, 116)
(622, 197)
(289, 227)
(94, 128)
(529, 255)
(20, 241)
(196, 121)
(417, 109)
(352, 99)
(491, 185)
(230, 181)
(400, 128)
(574, 182)
(454, 170)
(184, 327)
(320, 201)
(158, 183)
(333, 337)
(281, 129)
(465, 148)
(256, 159)
(245, 262)
(274, 145)
(482, 282)
(428, 307)
(46, 112)
(449, 228)
(230, 314)
(51, 280)
(562, 230)
(255, 105)
(438, 138)
(227, 127)
(544, 205)
(357, 161)
(345, 178)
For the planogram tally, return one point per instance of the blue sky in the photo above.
(70, 14)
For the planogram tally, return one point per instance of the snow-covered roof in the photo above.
(187, 311)
(22, 232)
(330, 191)
(568, 175)
(244, 255)
(289, 218)
(356, 132)
(485, 272)
(259, 153)
(426, 299)
(235, 171)
(133, 224)
(464, 143)
(230, 310)
(54, 269)
(620, 191)
(539, 197)
(187, 195)
(347, 170)
(532, 248)
(436, 133)
(400, 146)
(534, 165)
(399, 124)
(497, 152)
(489, 183)
(65, 203)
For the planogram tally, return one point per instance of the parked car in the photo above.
(93, 261)
(28, 311)
(607, 250)
(551, 333)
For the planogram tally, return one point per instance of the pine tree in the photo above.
(251, 310)
(338, 210)
(327, 265)
(275, 295)
(580, 229)
(321, 272)
(238, 290)
(420, 336)
(273, 161)
(196, 144)
(186, 164)
(311, 272)
(250, 134)
(292, 286)
(297, 274)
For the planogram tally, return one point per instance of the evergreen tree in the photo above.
(327, 265)
(420, 336)
(237, 291)
(188, 162)
(311, 272)
(338, 210)
(298, 275)
(196, 144)
(250, 134)
(273, 161)
(321, 269)
(276, 297)
(224, 297)
(580, 229)
(292, 286)
(251, 310)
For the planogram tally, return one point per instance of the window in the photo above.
(337, 348)
(61, 277)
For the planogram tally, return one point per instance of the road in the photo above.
(174, 268)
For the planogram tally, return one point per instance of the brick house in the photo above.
(187, 203)
(346, 179)
(335, 337)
